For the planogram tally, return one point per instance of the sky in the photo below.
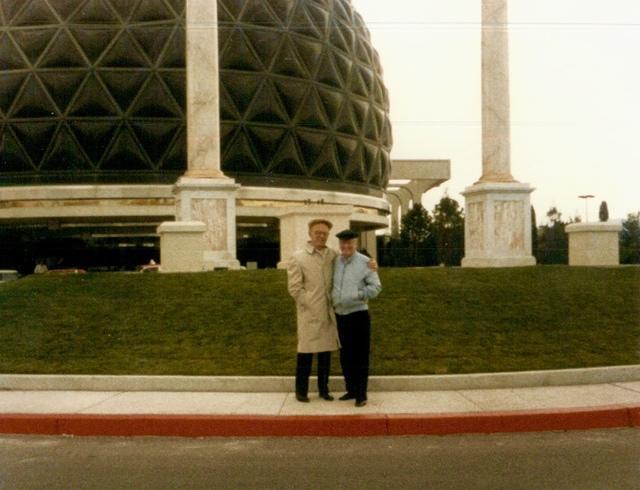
(575, 96)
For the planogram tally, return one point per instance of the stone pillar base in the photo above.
(213, 202)
(181, 246)
(498, 262)
(294, 230)
(594, 244)
(220, 260)
(498, 225)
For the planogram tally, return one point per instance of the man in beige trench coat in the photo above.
(310, 276)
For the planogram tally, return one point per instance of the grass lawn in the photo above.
(434, 320)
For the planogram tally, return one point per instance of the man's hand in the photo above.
(373, 265)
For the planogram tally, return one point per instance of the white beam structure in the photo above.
(417, 177)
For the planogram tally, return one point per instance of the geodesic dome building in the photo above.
(93, 125)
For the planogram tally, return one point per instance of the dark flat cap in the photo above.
(347, 235)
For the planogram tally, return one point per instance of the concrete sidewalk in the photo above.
(224, 413)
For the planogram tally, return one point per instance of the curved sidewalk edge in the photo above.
(277, 384)
(616, 416)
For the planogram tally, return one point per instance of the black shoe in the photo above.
(361, 402)
(326, 396)
(347, 396)
(302, 398)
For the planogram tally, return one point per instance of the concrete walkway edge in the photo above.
(277, 384)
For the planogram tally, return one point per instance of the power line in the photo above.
(509, 24)
(473, 24)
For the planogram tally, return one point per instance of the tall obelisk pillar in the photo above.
(204, 193)
(497, 215)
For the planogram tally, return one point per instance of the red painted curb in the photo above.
(525, 421)
(29, 424)
(221, 425)
(317, 425)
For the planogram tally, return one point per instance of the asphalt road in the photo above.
(551, 460)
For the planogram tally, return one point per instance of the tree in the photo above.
(554, 215)
(416, 225)
(534, 233)
(630, 239)
(391, 252)
(417, 236)
(604, 212)
(448, 227)
(553, 243)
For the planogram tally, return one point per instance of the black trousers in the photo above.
(303, 371)
(355, 336)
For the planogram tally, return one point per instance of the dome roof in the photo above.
(94, 91)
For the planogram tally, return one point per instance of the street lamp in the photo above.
(586, 198)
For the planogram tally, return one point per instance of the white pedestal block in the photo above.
(594, 243)
(213, 202)
(181, 246)
(369, 243)
(498, 225)
(294, 229)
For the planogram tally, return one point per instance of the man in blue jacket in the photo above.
(354, 284)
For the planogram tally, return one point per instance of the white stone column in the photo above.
(204, 193)
(294, 230)
(496, 164)
(369, 242)
(497, 207)
(403, 197)
(203, 112)
(406, 200)
(395, 203)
